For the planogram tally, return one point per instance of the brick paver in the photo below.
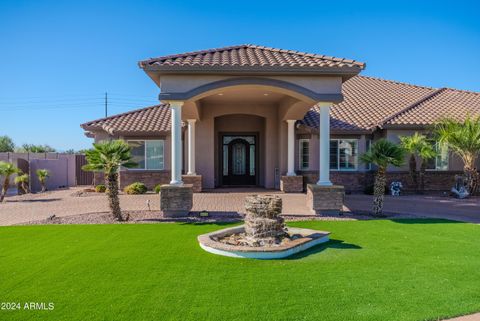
(62, 203)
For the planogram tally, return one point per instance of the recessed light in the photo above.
(265, 94)
(220, 94)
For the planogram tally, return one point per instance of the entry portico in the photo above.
(241, 105)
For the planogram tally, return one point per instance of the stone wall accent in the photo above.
(325, 200)
(291, 184)
(263, 223)
(435, 181)
(149, 178)
(176, 201)
(194, 180)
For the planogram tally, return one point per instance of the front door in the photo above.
(239, 160)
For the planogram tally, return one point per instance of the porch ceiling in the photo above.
(244, 95)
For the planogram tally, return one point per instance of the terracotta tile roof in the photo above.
(445, 103)
(250, 56)
(369, 102)
(152, 119)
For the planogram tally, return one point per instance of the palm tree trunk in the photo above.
(44, 187)
(379, 191)
(25, 187)
(472, 178)
(413, 171)
(423, 169)
(111, 181)
(6, 183)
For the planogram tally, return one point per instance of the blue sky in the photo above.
(57, 58)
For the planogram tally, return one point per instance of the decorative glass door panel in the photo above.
(239, 160)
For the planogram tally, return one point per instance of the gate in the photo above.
(82, 177)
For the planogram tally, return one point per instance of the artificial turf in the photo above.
(370, 270)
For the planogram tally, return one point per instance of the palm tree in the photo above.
(417, 145)
(382, 153)
(23, 181)
(463, 138)
(6, 170)
(43, 175)
(107, 157)
(426, 152)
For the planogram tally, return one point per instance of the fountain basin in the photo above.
(305, 239)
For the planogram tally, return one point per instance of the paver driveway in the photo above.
(62, 203)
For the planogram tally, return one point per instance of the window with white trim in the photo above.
(303, 154)
(368, 148)
(148, 154)
(440, 162)
(344, 154)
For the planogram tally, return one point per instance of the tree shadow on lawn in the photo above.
(332, 244)
(425, 221)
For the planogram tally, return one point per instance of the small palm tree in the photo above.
(417, 145)
(108, 157)
(463, 138)
(426, 152)
(43, 175)
(22, 180)
(6, 170)
(382, 153)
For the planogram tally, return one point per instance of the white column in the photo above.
(324, 139)
(191, 146)
(176, 163)
(291, 147)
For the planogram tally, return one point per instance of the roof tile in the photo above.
(251, 55)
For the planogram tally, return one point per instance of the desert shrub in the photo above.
(100, 188)
(157, 188)
(135, 188)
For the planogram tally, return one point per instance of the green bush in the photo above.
(136, 188)
(157, 188)
(100, 188)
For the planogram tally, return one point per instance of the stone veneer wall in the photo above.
(149, 178)
(357, 181)
(291, 184)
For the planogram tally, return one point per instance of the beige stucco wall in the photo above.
(185, 83)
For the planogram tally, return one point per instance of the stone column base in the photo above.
(291, 184)
(195, 180)
(325, 200)
(176, 201)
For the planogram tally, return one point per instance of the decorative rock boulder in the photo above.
(263, 225)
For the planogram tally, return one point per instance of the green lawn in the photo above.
(371, 270)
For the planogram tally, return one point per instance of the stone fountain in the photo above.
(264, 234)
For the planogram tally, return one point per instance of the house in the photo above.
(257, 116)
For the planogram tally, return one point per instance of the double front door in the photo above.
(239, 160)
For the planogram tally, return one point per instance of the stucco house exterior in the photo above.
(257, 116)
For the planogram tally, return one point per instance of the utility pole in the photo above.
(106, 104)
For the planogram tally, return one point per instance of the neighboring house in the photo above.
(251, 116)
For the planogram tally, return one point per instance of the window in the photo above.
(303, 154)
(440, 162)
(368, 146)
(148, 154)
(343, 154)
